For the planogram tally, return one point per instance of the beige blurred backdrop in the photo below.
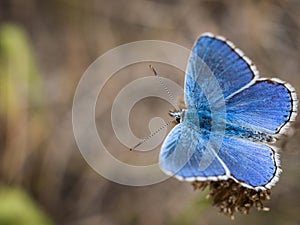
(46, 46)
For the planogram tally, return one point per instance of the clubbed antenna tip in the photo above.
(152, 68)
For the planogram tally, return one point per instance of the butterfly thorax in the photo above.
(192, 118)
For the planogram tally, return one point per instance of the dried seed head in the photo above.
(231, 197)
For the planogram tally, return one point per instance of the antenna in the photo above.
(171, 97)
(151, 135)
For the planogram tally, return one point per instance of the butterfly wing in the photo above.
(254, 165)
(218, 72)
(267, 106)
(215, 59)
(182, 153)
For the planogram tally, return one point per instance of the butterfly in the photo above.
(232, 120)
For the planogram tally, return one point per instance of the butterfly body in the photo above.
(232, 119)
(201, 121)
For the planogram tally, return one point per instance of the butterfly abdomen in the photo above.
(247, 133)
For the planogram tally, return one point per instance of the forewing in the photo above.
(215, 59)
(182, 153)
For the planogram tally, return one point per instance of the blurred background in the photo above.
(45, 47)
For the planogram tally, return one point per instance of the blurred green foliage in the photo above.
(17, 208)
(21, 99)
(18, 69)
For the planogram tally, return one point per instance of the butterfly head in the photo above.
(177, 115)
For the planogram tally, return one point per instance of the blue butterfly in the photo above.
(232, 119)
